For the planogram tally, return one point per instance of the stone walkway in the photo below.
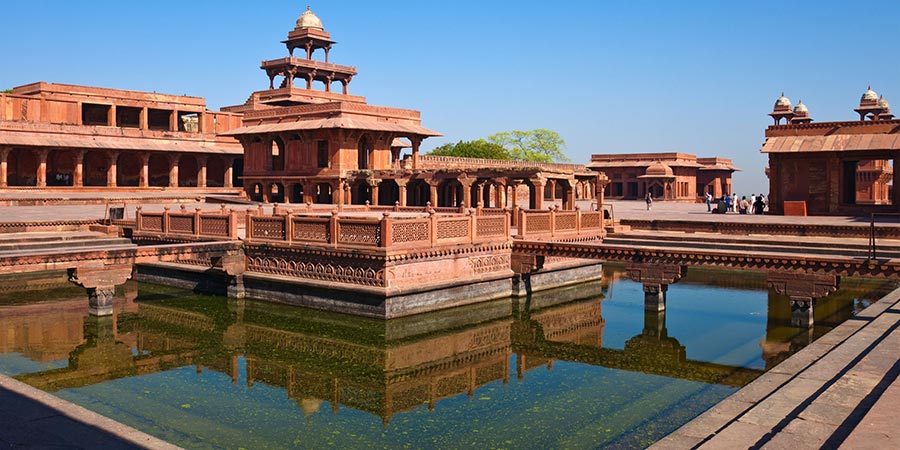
(837, 393)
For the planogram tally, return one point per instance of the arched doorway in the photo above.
(256, 192)
(215, 171)
(188, 171)
(277, 155)
(450, 193)
(323, 193)
(158, 168)
(96, 167)
(22, 167)
(276, 193)
(362, 192)
(296, 193)
(128, 169)
(388, 193)
(418, 193)
(61, 167)
(363, 153)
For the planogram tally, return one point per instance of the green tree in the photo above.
(6, 91)
(538, 145)
(479, 148)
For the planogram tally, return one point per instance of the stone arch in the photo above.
(324, 193)
(188, 171)
(362, 192)
(276, 193)
(256, 192)
(296, 193)
(215, 171)
(364, 153)
(388, 192)
(96, 167)
(61, 167)
(158, 170)
(22, 167)
(418, 193)
(128, 169)
(450, 193)
(276, 153)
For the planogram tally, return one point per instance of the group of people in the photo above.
(756, 204)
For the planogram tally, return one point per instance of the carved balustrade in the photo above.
(186, 224)
(555, 224)
(388, 232)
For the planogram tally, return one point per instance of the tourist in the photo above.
(750, 202)
(744, 205)
(649, 200)
(728, 205)
(734, 202)
(758, 205)
(708, 202)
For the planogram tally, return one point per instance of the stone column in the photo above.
(201, 172)
(433, 192)
(802, 289)
(416, 141)
(100, 284)
(538, 193)
(656, 279)
(373, 191)
(143, 119)
(111, 169)
(41, 175)
(173, 121)
(78, 176)
(4, 166)
(229, 172)
(401, 185)
(551, 184)
(467, 191)
(173, 170)
(480, 194)
(144, 179)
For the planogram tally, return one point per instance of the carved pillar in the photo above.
(111, 169)
(656, 279)
(173, 121)
(201, 172)
(173, 170)
(551, 185)
(467, 190)
(100, 283)
(568, 196)
(143, 119)
(4, 166)
(415, 151)
(401, 185)
(41, 175)
(78, 176)
(480, 195)
(433, 192)
(803, 289)
(348, 194)
(373, 184)
(229, 173)
(144, 179)
(538, 194)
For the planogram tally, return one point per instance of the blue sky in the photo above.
(610, 77)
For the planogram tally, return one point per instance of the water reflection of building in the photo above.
(380, 367)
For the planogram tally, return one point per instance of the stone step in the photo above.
(62, 245)
(61, 250)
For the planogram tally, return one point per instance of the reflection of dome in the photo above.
(783, 102)
(883, 104)
(310, 406)
(869, 95)
(659, 169)
(800, 108)
(309, 20)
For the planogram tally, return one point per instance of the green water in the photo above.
(583, 367)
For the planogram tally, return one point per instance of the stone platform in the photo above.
(837, 393)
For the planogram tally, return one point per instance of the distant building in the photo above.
(667, 176)
(833, 167)
(82, 136)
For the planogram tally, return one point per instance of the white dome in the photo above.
(869, 95)
(800, 108)
(783, 101)
(309, 20)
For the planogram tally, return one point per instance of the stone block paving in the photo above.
(839, 393)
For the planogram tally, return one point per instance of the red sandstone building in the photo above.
(833, 167)
(304, 142)
(80, 136)
(667, 176)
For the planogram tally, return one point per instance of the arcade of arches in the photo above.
(41, 167)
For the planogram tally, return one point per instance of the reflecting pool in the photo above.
(580, 367)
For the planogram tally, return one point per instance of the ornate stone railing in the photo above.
(386, 231)
(444, 162)
(557, 224)
(187, 224)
